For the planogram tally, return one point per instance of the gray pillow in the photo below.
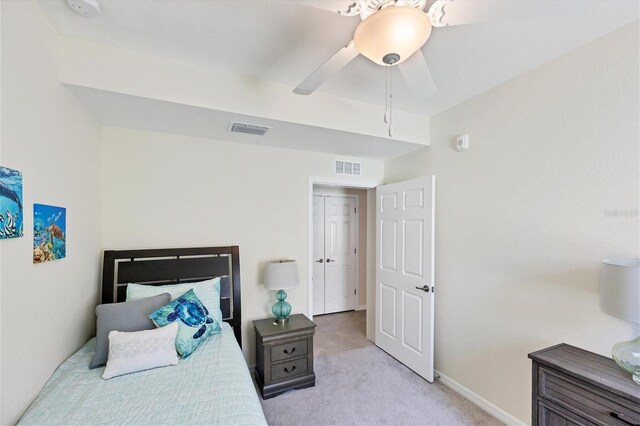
(125, 316)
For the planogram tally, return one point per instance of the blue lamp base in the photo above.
(281, 309)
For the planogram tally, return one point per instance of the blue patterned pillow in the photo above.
(195, 324)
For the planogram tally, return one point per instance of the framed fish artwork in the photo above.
(11, 225)
(49, 233)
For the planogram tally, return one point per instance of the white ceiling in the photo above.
(284, 41)
(135, 112)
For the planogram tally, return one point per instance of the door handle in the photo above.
(424, 288)
(320, 260)
(330, 260)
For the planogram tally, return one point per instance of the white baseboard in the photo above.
(361, 307)
(496, 412)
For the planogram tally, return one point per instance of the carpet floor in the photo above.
(340, 332)
(366, 386)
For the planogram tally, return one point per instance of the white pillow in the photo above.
(141, 350)
(207, 291)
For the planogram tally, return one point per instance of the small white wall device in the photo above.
(462, 142)
(88, 8)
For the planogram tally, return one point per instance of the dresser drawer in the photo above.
(289, 350)
(586, 401)
(294, 368)
(552, 415)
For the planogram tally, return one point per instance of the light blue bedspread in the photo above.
(211, 387)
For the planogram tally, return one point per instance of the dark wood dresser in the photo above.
(284, 355)
(572, 386)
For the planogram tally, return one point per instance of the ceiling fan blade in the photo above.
(341, 7)
(417, 75)
(461, 12)
(326, 70)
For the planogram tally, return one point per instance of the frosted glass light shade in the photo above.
(281, 274)
(620, 288)
(396, 29)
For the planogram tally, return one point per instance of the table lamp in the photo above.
(280, 275)
(620, 297)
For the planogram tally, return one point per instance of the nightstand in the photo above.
(284, 355)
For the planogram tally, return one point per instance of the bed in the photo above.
(212, 386)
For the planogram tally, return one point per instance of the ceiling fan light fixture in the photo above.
(400, 30)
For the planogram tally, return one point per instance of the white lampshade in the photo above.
(281, 274)
(396, 29)
(620, 288)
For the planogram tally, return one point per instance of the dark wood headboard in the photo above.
(174, 266)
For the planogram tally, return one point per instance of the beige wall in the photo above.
(522, 217)
(47, 310)
(162, 190)
(361, 300)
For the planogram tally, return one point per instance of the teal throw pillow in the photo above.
(207, 291)
(195, 324)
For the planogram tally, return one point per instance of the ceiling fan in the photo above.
(393, 31)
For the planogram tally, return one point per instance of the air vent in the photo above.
(251, 129)
(347, 168)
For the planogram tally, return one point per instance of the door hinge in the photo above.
(354, 209)
(354, 291)
(354, 251)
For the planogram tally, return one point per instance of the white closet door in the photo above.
(340, 256)
(318, 255)
(405, 272)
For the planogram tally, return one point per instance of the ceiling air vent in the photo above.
(347, 168)
(251, 129)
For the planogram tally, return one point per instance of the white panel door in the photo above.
(340, 254)
(318, 255)
(405, 272)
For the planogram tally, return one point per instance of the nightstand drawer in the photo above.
(289, 350)
(288, 369)
(584, 401)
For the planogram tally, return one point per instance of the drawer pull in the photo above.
(286, 370)
(621, 418)
(286, 351)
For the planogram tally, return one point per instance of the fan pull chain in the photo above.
(390, 103)
(386, 95)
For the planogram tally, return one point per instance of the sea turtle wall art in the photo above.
(10, 203)
(49, 233)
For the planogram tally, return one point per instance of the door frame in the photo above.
(356, 278)
(327, 181)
